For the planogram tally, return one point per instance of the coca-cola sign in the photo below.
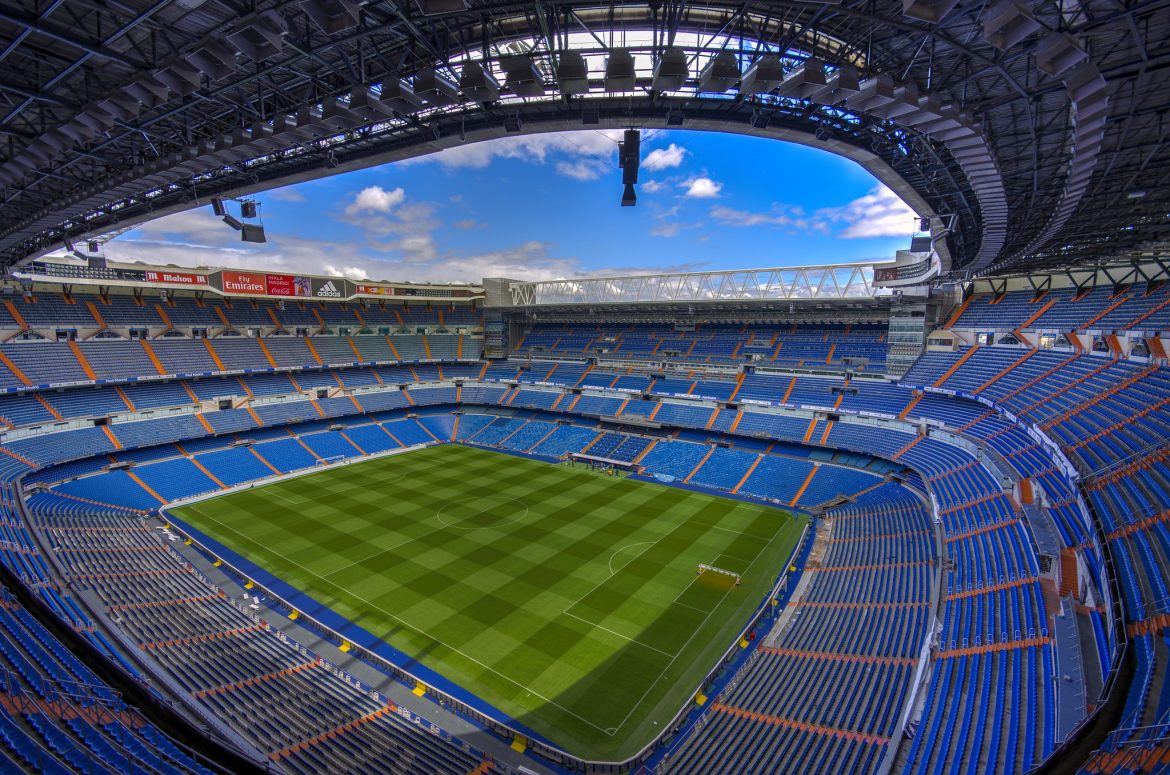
(288, 285)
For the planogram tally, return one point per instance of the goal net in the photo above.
(722, 573)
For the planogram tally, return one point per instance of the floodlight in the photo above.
(259, 36)
(332, 16)
(804, 81)
(619, 70)
(478, 83)
(763, 76)
(1006, 23)
(214, 59)
(436, 7)
(720, 74)
(522, 76)
(572, 73)
(672, 70)
(436, 89)
(400, 96)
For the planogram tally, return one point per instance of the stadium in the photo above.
(905, 515)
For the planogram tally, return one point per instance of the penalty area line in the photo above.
(619, 635)
(696, 631)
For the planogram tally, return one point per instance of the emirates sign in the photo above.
(243, 282)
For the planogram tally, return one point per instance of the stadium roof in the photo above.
(1034, 134)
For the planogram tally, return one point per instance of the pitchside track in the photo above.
(569, 600)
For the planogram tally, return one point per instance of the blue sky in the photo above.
(546, 206)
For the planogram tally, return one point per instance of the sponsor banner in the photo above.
(376, 290)
(243, 282)
(175, 278)
(331, 288)
(288, 285)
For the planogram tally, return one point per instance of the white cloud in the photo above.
(287, 194)
(664, 158)
(743, 218)
(666, 230)
(702, 188)
(375, 199)
(352, 272)
(581, 154)
(792, 218)
(582, 169)
(401, 247)
(653, 186)
(880, 213)
(531, 148)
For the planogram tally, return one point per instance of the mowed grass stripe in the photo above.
(567, 599)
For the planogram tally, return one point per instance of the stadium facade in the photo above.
(976, 585)
(975, 432)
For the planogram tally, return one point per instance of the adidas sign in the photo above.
(329, 290)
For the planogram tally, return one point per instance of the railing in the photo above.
(1117, 465)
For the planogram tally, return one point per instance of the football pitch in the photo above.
(568, 599)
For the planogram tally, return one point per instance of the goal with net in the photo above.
(732, 575)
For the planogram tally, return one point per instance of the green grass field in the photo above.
(567, 599)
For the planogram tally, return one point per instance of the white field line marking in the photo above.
(685, 605)
(652, 543)
(628, 546)
(410, 626)
(727, 530)
(733, 557)
(697, 629)
(596, 586)
(509, 521)
(707, 614)
(284, 498)
(700, 575)
(618, 634)
(442, 526)
(684, 591)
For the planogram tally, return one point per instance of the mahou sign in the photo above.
(176, 278)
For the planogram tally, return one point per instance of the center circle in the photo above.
(485, 512)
